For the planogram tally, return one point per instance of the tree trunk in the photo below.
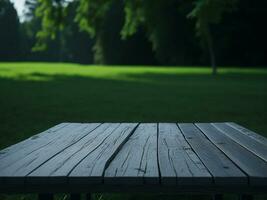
(212, 58)
(61, 46)
(211, 53)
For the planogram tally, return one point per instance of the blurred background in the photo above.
(131, 60)
(134, 32)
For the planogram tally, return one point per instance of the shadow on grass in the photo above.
(28, 107)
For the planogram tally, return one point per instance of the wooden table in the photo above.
(200, 158)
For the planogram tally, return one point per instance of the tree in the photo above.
(151, 14)
(67, 45)
(207, 13)
(51, 13)
(9, 34)
(77, 45)
(158, 19)
(111, 49)
(108, 47)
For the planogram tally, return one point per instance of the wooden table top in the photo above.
(107, 157)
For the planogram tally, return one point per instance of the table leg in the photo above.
(75, 196)
(217, 197)
(245, 197)
(88, 196)
(45, 196)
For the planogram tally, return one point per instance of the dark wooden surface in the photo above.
(141, 157)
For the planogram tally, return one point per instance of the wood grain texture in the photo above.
(34, 144)
(249, 133)
(91, 168)
(178, 163)
(252, 165)
(57, 168)
(223, 170)
(257, 148)
(174, 157)
(20, 164)
(33, 141)
(85, 160)
(136, 163)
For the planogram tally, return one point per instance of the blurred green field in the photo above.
(36, 96)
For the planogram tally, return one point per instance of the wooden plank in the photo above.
(31, 141)
(136, 163)
(252, 165)
(86, 158)
(248, 133)
(29, 162)
(257, 148)
(35, 144)
(178, 163)
(91, 168)
(223, 170)
(62, 163)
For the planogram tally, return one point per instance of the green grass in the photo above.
(36, 96)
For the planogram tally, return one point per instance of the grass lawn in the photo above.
(36, 96)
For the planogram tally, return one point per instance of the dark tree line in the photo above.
(9, 31)
(129, 32)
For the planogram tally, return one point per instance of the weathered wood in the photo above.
(36, 144)
(91, 168)
(249, 133)
(85, 161)
(257, 148)
(252, 165)
(61, 165)
(25, 163)
(136, 162)
(177, 161)
(223, 170)
(33, 142)
(181, 158)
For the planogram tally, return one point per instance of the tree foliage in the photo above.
(52, 14)
(111, 49)
(68, 44)
(173, 32)
(160, 20)
(90, 14)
